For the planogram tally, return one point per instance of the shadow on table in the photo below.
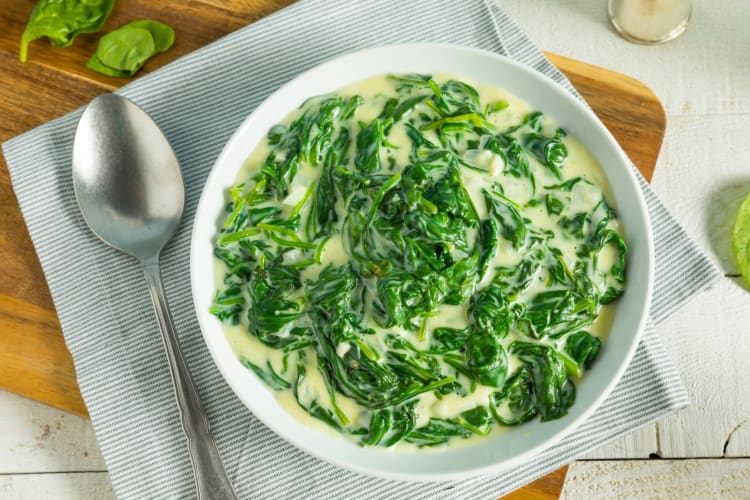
(719, 221)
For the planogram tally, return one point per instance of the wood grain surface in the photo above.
(34, 360)
(652, 479)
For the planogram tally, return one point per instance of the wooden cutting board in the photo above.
(34, 360)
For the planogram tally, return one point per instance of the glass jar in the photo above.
(650, 21)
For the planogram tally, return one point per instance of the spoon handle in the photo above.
(210, 477)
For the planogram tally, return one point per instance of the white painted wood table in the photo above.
(703, 79)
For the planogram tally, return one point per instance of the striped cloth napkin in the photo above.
(101, 298)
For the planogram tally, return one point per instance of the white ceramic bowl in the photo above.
(486, 455)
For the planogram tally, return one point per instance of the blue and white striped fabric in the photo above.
(104, 309)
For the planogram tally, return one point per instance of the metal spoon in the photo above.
(129, 188)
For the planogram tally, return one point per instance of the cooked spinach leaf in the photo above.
(583, 348)
(552, 390)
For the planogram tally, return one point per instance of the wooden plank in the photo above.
(628, 108)
(35, 358)
(650, 479)
(638, 444)
(35, 96)
(737, 442)
(704, 339)
(703, 178)
(70, 485)
(196, 24)
(544, 488)
(39, 438)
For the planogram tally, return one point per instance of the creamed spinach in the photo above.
(415, 259)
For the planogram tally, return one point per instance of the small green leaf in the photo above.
(126, 49)
(95, 64)
(496, 106)
(163, 35)
(269, 376)
(62, 20)
(742, 240)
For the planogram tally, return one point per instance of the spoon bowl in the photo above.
(126, 177)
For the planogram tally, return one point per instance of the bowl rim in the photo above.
(561, 93)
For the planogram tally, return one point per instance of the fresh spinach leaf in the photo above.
(62, 20)
(124, 51)
(162, 34)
